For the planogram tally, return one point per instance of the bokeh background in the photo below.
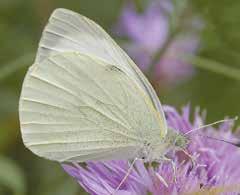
(214, 86)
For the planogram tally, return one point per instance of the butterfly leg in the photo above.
(161, 179)
(174, 171)
(174, 167)
(125, 177)
(190, 157)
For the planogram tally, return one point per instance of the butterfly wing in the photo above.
(74, 107)
(69, 31)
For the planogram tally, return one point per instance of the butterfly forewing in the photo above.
(69, 31)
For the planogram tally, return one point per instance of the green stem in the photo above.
(12, 67)
(175, 21)
(160, 52)
(214, 66)
(139, 5)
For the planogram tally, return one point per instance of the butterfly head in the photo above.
(176, 140)
(181, 141)
(173, 141)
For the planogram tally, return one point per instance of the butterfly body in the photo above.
(157, 151)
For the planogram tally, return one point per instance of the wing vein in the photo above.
(102, 89)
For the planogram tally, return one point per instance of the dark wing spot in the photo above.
(146, 143)
(113, 68)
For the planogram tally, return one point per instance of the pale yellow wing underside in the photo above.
(76, 108)
(70, 31)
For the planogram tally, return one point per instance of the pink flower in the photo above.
(217, 164)
(149, 32)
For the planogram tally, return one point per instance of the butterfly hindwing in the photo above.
(74, 107)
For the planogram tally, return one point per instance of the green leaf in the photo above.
(11, 176)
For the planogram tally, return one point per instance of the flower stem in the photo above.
(139, 6)
(175, 27)
(214, 66)
(160, 52)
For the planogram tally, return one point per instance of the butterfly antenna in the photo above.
(211, 124)
(221, 140)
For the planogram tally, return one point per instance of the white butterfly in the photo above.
(84, 99)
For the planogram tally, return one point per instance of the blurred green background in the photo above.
(21, 24)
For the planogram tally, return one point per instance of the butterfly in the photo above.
(84, 99)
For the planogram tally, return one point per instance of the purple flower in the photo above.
(217, 164)
(149, 32)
